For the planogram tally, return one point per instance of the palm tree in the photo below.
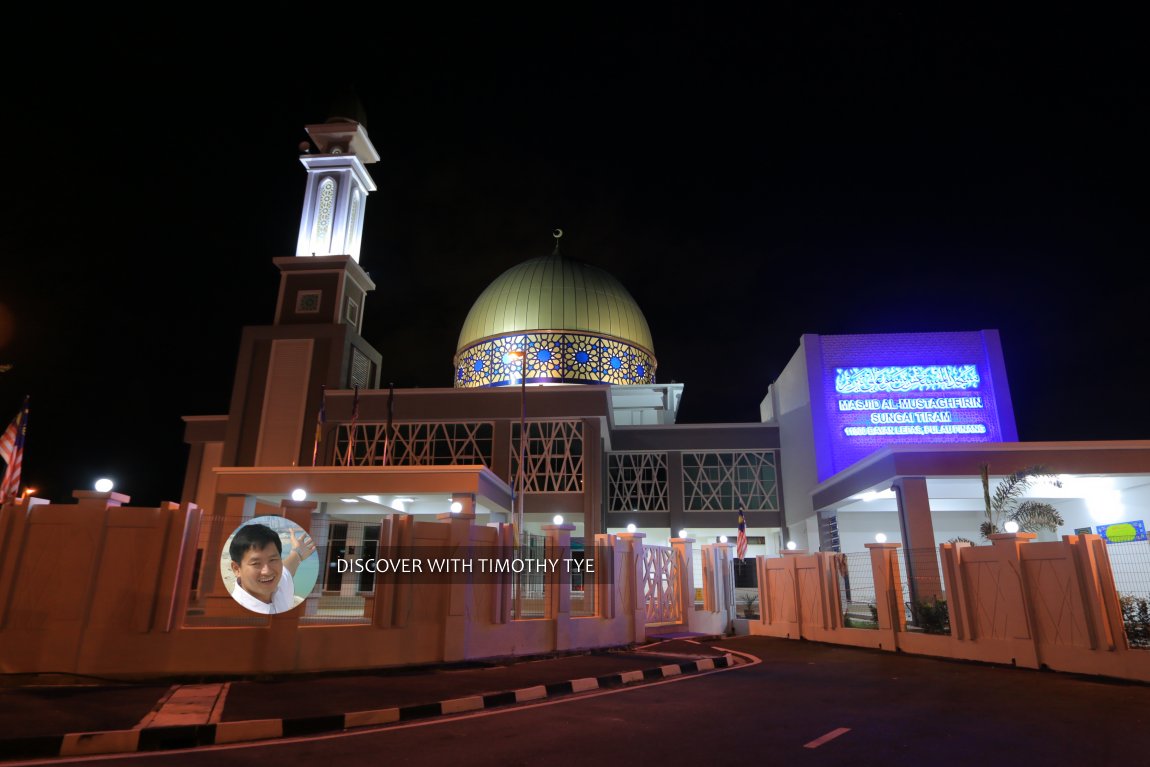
(1005, 503)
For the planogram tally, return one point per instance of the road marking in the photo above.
(828, 737)
(186, 704)
(218, 710)
(432, 722)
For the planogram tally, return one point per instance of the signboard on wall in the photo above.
(869, 391)
(1123, 532)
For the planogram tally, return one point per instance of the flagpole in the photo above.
(390, 416)
(351, 434)
(319, 421)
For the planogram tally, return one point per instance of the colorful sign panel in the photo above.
(1123, 532)
(869, 391)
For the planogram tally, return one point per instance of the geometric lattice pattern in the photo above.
(637, 482)
(323, 216)
(553, 357)
(554, 456)
(728, 481)
(661, 572)
(418, 444)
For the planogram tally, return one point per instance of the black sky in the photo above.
(748, 180)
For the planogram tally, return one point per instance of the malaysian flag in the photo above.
(12, 452)
(741, 543)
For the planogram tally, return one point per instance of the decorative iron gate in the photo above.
(662, 576)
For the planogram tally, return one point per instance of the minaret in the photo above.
(337, 189)
(315, 339)
(323, 282)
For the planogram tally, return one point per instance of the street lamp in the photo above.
(521, 355)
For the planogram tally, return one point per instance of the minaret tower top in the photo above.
(337, 187)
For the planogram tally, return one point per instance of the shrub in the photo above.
(750, 600)
(1136, 619)
(931, 615)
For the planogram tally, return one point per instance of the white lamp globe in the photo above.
(631, 528)
(722, 539)
(299, 494)
(880, 537)
(557, 519)
(104, 485)
(1011, 526)
(456, 507)
(791, 545)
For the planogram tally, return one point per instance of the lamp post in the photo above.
(521, 355)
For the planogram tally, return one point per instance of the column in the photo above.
(636, 574)
(917, 528)
(558, 590)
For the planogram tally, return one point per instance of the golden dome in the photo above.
(579, 324)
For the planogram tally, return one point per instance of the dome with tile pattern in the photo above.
(576, 322)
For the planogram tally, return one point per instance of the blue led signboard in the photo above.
(869, 391)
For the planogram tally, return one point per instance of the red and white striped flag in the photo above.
(12, 452)
(741, 542)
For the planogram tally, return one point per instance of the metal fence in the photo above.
(923, 592)
(528, 589)
(584, 584)
(856, 590)
(1130, 565)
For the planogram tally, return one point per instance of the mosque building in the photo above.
(552, 439)
(555, 401)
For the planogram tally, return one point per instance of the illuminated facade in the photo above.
(597, 433)
(904, 388)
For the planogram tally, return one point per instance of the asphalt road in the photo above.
(804, 704)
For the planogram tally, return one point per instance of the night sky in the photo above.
(747, 179)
